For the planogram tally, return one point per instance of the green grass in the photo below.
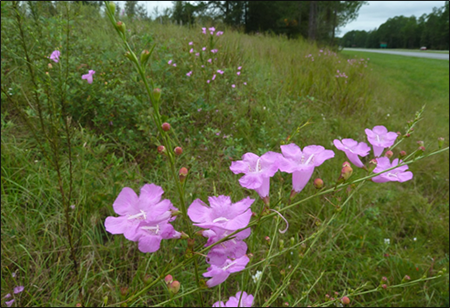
(413, 50)
(285, 89)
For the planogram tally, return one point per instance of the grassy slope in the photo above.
(285, 89)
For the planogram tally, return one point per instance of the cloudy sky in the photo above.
(371, 15)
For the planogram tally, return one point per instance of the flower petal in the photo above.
(126, 202)
(300, 178)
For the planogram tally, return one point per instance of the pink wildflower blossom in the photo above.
(9, 303)
(221, 214)
(18, 289)
(258, 171)
(55, 56)
(353, 150)
(233, 86)
(189, 74)
(220, 273)
(380, 138)
(219, 33)
(145, 218)
(239, 300)
(395, 175)
(191, 43)
(302, 163)
(89, 76)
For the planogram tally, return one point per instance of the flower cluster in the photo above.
(145, 219)
(219, 220)
(16, 290)
(259, 170)
(380, 139)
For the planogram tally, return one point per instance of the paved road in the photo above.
(439, 56)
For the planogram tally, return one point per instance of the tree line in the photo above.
(429, 30)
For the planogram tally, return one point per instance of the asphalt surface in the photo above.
(440, 56)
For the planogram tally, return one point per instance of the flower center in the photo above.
(229, 265)
(392, 175)
(138, 216)
(151, 230)
(220, 219)
(257, 166)
(310, 159)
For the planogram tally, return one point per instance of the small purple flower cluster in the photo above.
(241, 299)
(380, 139)
(219, 220)
(145, 219)
(55, 57)
(16, 290)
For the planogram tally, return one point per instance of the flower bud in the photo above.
(440, 142)
(165, 127)
(406, 278)
(345, 300)
(318, 183)
(346, 172)
(292, 195)
(147, 278)
(184, 236)
(183, 174)
(105, 300)
(161, 149)
(124, 291)
(266, 200)
(129, 56)
(292, 240)
(286, 304)
(389, 154)
(402, 154)
(178, 151)
(407, 135)
(157, 94)
(420, 143)
(384, 279)
(145, 55)
(281, 243)
(50, 66)
(168, 279)
(174, 287)
(384, 286)
(121, 26)
(267, 239)
(111, 6)
(372, 164)
(345, 164)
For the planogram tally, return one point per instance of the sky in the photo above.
(371, 15)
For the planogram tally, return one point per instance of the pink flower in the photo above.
(204, 48)
(238, 73)
(302, 164)
(221, 214)
(191, 43)
(174, 65)
(55, 56)
(9, 303)
(189, 74)
(380, 138)
(220, 72)
(353, 150)
(220, 273)
(204, 30)
(239, 67)
(245, 83)
(197, 54)
(18, 289)
(233, 86)
(191, 51)
(209, 60)
(89, 76)
(144, 218)
(258, 171)
(395, 175)
(219, 33)
(208, 81)
(170, 62)
(239, 300)
(214, 50)
(213, 77)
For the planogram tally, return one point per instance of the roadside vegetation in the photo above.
(69, 147)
